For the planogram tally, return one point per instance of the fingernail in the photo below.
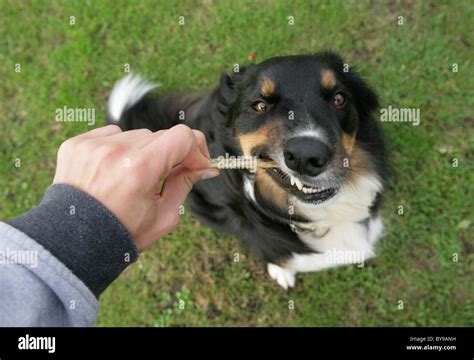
(210, 174)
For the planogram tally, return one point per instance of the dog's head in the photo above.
(303, 113)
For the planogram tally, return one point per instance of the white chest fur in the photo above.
(351, 204)
(347, 243)
(346, 236)
(339, 237)
(339, 223)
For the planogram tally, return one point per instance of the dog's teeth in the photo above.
(296, 182)
(299, 184)
(310, 190)
(300, 187)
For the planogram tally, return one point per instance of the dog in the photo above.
(313, 118)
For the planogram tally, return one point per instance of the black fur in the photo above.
(262, 227)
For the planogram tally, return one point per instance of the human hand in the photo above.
(125, 170)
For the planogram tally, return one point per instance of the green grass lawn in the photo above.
(409, 65)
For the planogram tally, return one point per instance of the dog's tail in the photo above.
(132, 105)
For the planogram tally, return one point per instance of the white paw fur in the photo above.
(284, 277)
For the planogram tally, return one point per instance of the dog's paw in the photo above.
(284, 277)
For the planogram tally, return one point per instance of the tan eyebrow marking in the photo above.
(267, 88)
(348, 142)
(328, 79)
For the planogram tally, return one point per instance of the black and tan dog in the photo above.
(318, 207)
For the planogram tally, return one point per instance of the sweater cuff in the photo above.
(80, 232)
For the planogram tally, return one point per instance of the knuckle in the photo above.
(141, 132)
(145, 131)
(184, 129)
(200, 136)
(67, 146)
(114, 126)
(107, 150)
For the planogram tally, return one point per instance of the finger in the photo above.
(175, 191)
(177, 145)
(99, 132)
(201, 140)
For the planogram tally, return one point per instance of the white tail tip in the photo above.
(126, 93)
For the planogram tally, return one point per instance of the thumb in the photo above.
(176, 189)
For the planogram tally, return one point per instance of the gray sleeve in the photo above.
(56, 259)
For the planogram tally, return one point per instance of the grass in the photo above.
(190, 277)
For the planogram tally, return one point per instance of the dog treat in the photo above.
(227, 164)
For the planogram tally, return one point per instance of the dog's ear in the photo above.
(366, 100)
(329, 58)
(226, 93)
(228, 88)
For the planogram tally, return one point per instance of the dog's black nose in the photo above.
(306, 155)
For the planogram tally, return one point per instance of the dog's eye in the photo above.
(261, 106)
(338, 100)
